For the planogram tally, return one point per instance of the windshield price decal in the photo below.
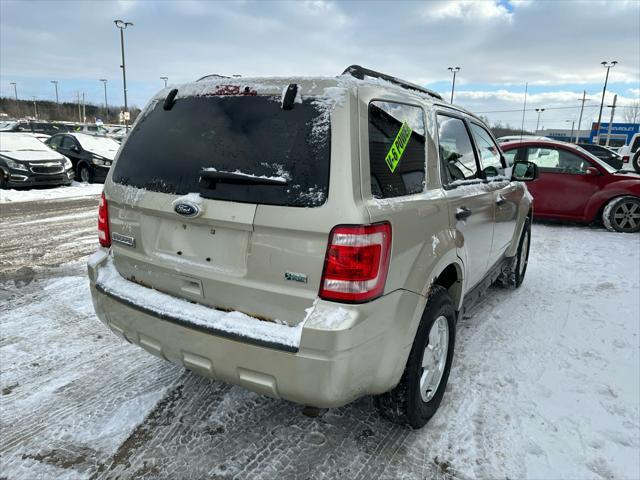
(398, 146)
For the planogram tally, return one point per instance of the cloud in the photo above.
(504, 44)
(466, 10)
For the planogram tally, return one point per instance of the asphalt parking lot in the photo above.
(544, 382)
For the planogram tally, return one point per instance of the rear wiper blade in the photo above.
(211, 177)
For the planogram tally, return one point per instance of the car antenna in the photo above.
(170, 100)
(289, 96)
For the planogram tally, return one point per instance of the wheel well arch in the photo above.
(451, 279)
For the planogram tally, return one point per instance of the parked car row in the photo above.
(44, 129)
(25, 161)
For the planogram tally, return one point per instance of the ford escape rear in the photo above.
(308, 239)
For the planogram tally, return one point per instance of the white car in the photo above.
(631, 154)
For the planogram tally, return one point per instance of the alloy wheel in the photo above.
(627, 216)
(434, 358)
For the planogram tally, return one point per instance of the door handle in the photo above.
(500, 200)
(463, 213)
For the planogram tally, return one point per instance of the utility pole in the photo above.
(539, 110)
(453, 70)
(524, 108)
(84, 110)
(35, 108)
(15, 90)
(106, 105)
(584, 96)
(608, 66)
(613, 111)
(165, 81)
(122, 25)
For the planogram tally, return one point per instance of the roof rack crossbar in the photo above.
(359, 72)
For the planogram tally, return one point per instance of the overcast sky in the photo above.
(555, 46)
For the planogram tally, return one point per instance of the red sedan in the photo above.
(576, 186)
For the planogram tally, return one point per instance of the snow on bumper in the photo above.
(334, 356)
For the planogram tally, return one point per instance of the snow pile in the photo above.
(76, 189)
(236, 323)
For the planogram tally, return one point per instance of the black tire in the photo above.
(522, 257)
(635, 161)
(85, 173)
(3, 182)
(622, 214)
(404, 404)
(513, 276)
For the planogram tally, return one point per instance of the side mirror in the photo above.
(592, 171)
(524, 171)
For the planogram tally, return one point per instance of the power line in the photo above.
(546, 108)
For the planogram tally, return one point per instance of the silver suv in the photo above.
(311, 239)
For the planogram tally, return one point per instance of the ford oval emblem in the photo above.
(186, 209)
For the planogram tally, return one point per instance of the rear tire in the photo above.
(635, 161)
(418, 395)
(622, 214)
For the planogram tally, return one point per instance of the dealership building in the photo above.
(621, 134)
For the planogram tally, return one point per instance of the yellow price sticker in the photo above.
(398, 147)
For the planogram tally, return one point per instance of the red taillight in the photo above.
(357, 262)
(625, 159)
(103, 223)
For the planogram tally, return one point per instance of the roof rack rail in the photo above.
(213, 75)
(359, 72)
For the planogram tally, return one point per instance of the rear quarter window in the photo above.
(396, 149)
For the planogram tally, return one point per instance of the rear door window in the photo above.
(245, 136)
(456, 150)
(396, 149)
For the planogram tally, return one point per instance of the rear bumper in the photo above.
(330, 367)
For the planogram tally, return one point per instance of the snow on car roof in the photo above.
(13, 142)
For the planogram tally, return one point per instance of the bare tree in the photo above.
(632, 112)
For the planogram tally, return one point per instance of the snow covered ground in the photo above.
(76, 189)
(545, 384)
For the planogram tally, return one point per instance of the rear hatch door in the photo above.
(185, 190)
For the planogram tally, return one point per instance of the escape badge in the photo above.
(398, 146)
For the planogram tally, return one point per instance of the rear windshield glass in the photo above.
(251, 137)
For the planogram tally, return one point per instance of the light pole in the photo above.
(55, 83)
(539, 110)
(106, 105)
(15, 89)
(35, 107)
(608, 66)
(165, 80)
(122, 25)
(573, 124)
(453, 70)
